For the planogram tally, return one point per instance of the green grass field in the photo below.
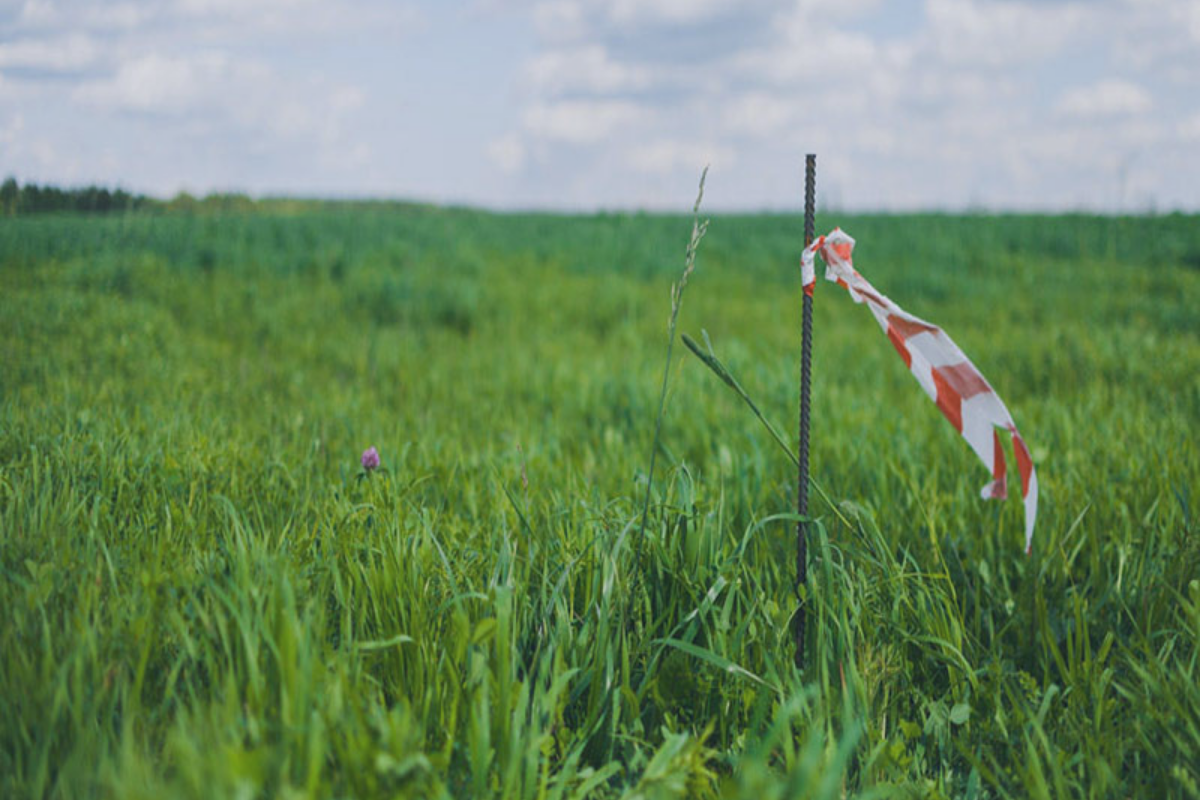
(202, 596)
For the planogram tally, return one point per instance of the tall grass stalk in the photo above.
(698, 230)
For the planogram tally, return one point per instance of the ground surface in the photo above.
(201, 596)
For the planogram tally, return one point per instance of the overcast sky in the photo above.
(575, 104)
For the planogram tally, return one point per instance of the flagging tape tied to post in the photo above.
(945, 373)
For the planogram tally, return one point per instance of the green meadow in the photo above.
(202, 594)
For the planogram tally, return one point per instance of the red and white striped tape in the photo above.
(944, 372)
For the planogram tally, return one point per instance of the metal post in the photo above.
(810, 192)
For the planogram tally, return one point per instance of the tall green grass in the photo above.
(202, 596)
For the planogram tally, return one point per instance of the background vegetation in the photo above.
(201, 595)
(33, 199)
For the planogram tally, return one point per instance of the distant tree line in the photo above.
(33, 199)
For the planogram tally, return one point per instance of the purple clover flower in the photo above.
(370, 459)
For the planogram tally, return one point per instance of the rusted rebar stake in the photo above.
(810, 202)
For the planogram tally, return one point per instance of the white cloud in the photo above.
(804, 54)
(212, 91)
(565, 19)
(119, 16)
(560, 20)
(68, 53)
(507, 153)
(12, 130)
(37, 12)
(759, 113)
(290, 17)
(667, 156)
(632, 12)
(1189, 129)
(1112, 97)
(221, 22)
(586, 68)
(580, 122)
(995, 33)
(17, 148)
(1181, 15)
(239, 8)
(168, 85)
(41, 15)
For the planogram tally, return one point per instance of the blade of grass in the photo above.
(711, 361)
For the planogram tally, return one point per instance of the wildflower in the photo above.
(370, 459)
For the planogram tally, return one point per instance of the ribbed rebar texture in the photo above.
(810, 202)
